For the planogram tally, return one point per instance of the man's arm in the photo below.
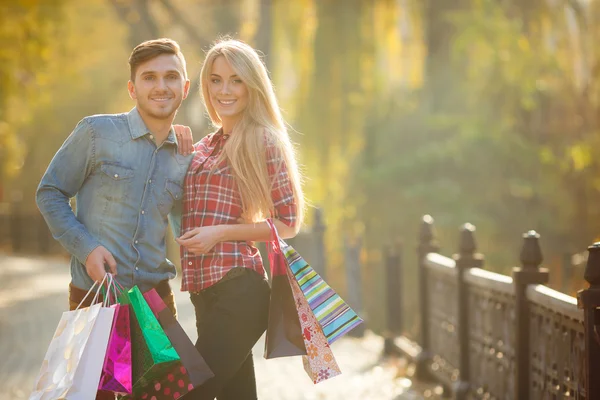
(64, 177)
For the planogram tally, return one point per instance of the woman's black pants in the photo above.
(231, 316)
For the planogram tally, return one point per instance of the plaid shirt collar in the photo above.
(217, 137)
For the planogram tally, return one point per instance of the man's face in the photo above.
(159, 87)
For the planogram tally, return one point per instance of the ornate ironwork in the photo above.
(443, 317)
(491, 335)
(557, 346)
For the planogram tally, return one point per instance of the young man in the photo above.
(126, 172)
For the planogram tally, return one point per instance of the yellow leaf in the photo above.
(580, 156)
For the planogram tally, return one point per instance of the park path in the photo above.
(33, 294)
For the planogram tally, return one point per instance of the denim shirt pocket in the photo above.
(172, 193)
(116, 181)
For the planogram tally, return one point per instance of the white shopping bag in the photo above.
(73, 363)
(87, 376)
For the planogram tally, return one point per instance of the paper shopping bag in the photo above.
(57, 373)
(173, 384)
(319, 362)
(116, 371)
(75, 350)
(334, 315)
(87, 376)
(284, 333)
(192, 361)
(152, 351)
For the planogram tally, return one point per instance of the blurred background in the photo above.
(480, 111)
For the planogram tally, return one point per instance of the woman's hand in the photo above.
(202, 240)
(185, 140)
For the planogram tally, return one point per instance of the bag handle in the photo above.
(106, 294)
(117, 287)
(275, 239)
(90, 291)
(276, 256)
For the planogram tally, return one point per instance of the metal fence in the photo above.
(25, 231)
(491, 336)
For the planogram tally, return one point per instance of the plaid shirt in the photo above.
(211, 197)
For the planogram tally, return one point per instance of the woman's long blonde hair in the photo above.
(261, 123)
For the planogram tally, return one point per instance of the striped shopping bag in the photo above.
(333, 314)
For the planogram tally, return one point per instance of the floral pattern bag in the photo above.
(319, 362)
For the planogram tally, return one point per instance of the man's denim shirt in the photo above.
(125, 187)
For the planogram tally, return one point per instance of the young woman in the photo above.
(246, 170)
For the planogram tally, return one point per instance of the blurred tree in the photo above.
(137, 15)
(506, 137)
(26, 32)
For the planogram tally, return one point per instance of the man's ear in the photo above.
(131, 90)
(186, 89)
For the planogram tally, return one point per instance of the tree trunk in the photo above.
(265, 30)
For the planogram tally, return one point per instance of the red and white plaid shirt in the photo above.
(211, 197)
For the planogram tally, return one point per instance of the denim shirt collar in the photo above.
(137, 127)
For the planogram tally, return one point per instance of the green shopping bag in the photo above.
(152, 353)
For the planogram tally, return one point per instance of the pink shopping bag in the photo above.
(116, 372)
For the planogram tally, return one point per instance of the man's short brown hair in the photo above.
(151, 49)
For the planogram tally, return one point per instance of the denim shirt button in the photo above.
(142, 212)
(136, 242)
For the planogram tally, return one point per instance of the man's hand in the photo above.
(94, 264)
(202, 240)
(184, 139)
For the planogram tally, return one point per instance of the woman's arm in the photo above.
(202, 239)
(257, 232)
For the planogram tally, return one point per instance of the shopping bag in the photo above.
(173, 384)
(334, 315)
(87, 376)
(192, 361)
(319, 362)
(152, 351)
(284, 333)
(116, 371)
(74, 348)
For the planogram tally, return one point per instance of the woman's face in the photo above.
(228, 93)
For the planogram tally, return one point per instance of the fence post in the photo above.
(589, 300)
(529, 273)
(318, 230)
(393, 284)
(427, 244)
(466, 259)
